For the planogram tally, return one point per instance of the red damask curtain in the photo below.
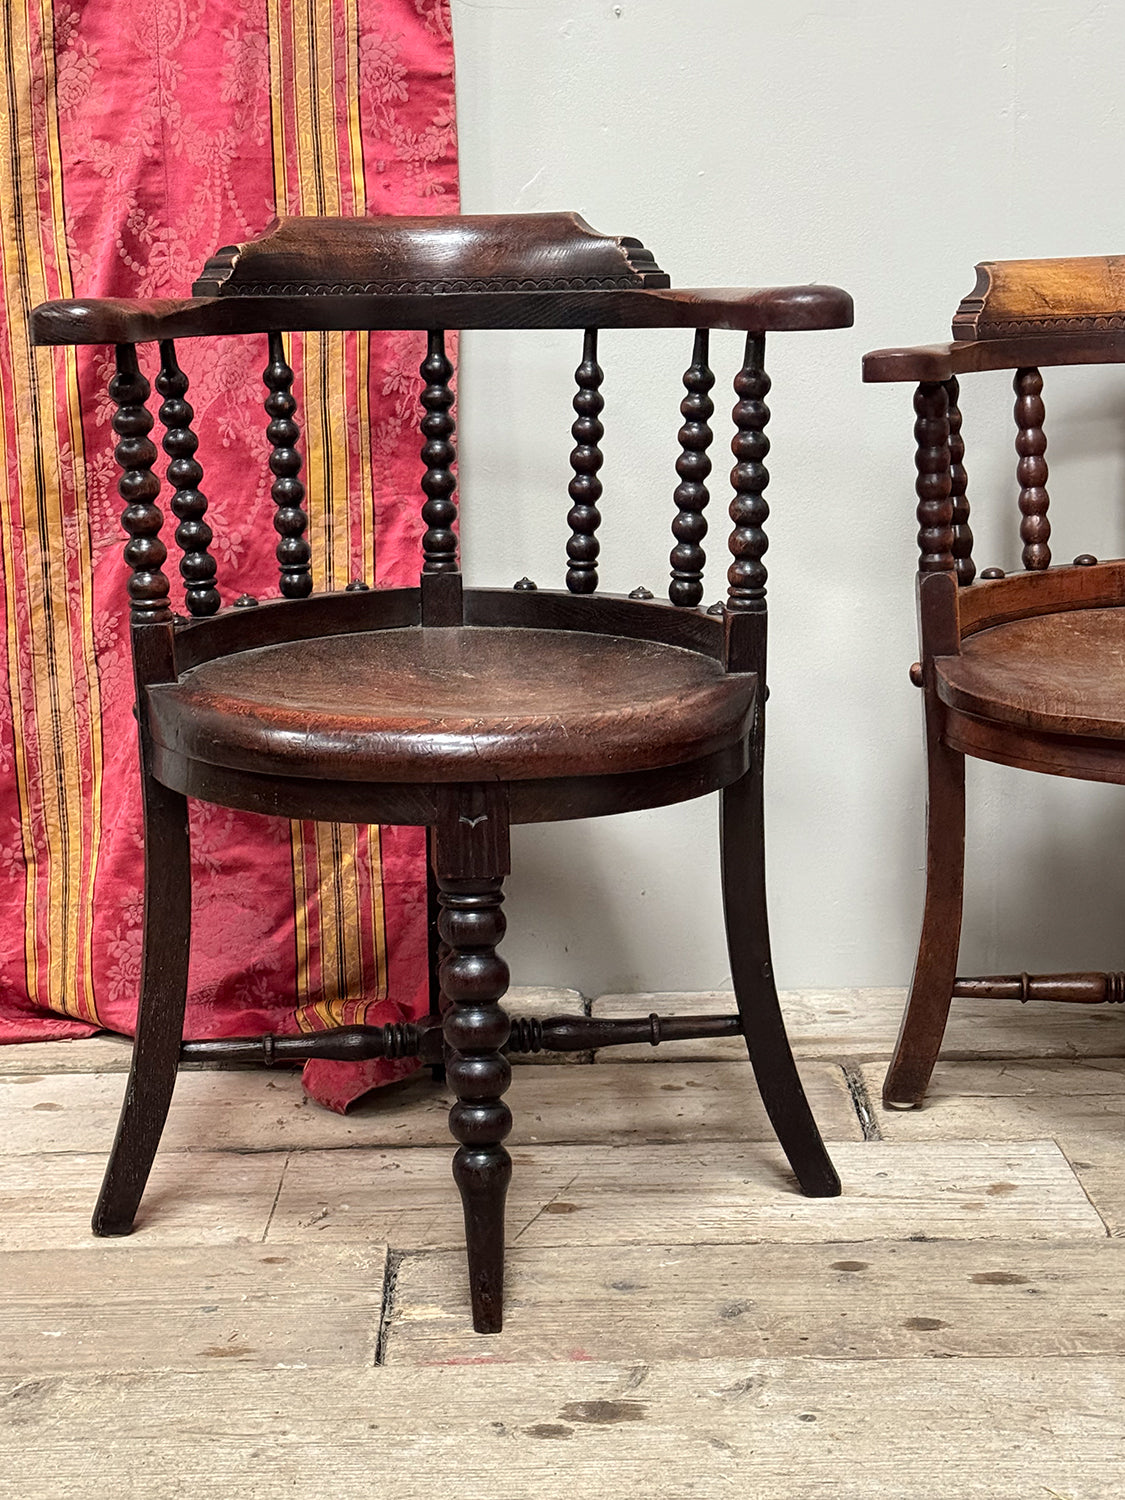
(136, 138)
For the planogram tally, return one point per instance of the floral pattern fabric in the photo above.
(138, 138)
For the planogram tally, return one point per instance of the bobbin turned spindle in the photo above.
(693, 466)
(185, 474)
(585, 487)
(139, 487)
(290, 521)
(749, 510)
(934, 483)
(1031, 470)
(439, 545)
(471, 859)
(958, 489)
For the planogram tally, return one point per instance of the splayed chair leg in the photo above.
(160, 1015)
(744, 902)
(935, 969)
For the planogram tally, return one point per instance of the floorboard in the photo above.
(911, 1429)
(193, 1198)
(1079, 1103)
(715, 1193)
(269, 1110)
(291, 1315)
(871, 1299)
(134, 1307)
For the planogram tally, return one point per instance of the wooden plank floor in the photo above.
(291, 1315)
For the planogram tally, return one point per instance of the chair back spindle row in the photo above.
(585, 488)
(945, 538)
(139, 485)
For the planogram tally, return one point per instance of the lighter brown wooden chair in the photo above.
(1020, 670)
(464, 710)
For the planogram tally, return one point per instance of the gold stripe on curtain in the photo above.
(47, 562)
(318, 169)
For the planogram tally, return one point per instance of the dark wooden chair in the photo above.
(463, 710)
(1022, 669)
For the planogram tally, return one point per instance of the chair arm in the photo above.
(934, 362)
(115, 320)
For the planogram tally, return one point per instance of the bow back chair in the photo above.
(1015, 669)
(464, 710)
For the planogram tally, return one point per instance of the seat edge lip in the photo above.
(545, 800)
(954, 695)
(466, 764)
(1077, 757)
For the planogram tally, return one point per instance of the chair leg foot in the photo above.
(482, 1176)
(160, 1014)
(763, 1027)
(901, 1091)
(935, 969)
(108, 1228)
(471, 861)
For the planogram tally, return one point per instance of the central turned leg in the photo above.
(471, 861)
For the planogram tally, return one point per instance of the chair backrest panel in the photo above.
(1021, 316)
(1017, 298)
(943, 515)
(138, 483)
(390, 256)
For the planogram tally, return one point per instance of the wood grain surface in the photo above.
(680, 1321)
(726, 1429)
(434, 704)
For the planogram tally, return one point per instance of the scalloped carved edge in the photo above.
(423, 288)
(1090, 323)
(429, 256)
(1013, 297)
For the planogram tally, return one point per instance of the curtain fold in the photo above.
(136, 138)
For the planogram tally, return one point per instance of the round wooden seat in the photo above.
(1059, 674)
(458, 704)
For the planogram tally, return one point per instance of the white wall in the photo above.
(886, 148)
